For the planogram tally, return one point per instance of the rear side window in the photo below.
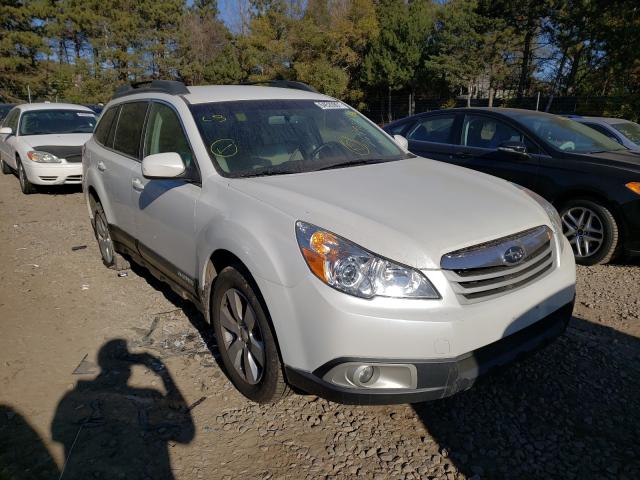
(104, 126)
(432, 129)
(129, 128)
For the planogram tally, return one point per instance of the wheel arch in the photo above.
(218, 261)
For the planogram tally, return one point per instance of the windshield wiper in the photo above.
(351, 163)
(268, 171)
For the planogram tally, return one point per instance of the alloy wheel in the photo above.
(584, 229)
(242, 336)
(104, 239)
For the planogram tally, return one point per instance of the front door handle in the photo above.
(137, 184)
(101, 166)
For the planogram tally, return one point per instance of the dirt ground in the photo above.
(114, 377)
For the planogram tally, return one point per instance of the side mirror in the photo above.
(163, 165)
(402, 142)
(513, 147)
(6, 131)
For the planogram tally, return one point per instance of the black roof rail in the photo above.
(172, 87)
(283, 84)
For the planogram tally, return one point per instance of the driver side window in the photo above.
(481, 131)
(165, 134)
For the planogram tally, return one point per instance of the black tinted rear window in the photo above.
(104, 125)
(129, 129)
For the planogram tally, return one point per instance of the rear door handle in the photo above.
(101, 166)
(137, 184)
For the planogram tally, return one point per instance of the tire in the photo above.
(245, 338)
(25, 185)
(110, 257)
(6, 169)
(592, 231)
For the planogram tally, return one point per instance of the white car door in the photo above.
(165, 213)
(117, 163)
(8, 141)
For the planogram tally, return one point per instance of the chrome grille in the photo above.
(480, 272)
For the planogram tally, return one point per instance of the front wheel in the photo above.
(245, 339)
(592, 231)
(25, 185)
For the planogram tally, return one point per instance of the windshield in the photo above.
(270, 137)
(630, 130)
(567, 135)
(45, 122)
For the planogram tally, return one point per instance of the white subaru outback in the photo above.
(324, 255)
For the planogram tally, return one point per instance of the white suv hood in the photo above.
(411, 211)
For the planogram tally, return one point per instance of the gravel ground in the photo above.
(164, 409)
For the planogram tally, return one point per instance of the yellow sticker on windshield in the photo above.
(351, 114)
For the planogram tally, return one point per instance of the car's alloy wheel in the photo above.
(242, 336)
(110, 257)
(245, 336)
(584, 230)
(104, 238)
(591, 230)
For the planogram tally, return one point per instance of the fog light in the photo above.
(373, 376)
(364, 374)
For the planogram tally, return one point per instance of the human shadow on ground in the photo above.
(23, 455)
(571, 410)
(111, 430)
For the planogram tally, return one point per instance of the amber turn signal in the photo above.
(634, 187)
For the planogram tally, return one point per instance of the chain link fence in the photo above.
(383, 110)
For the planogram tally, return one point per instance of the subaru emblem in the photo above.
(513, 255)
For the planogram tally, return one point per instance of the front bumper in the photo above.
(438, 378)
(53, 173)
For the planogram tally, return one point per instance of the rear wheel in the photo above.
(245, 339)
(110, 257)
(25, 185)
(6, 169)
(592, 231)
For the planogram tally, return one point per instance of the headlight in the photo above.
(43, 157)
(351, 269)
(552, 213)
